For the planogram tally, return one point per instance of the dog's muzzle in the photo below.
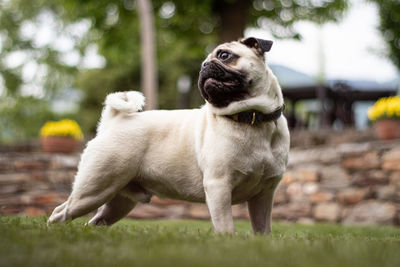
(221, 85)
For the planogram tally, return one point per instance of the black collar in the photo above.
(254, 117)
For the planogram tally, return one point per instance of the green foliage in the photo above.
(389, 12)
(185, 32)
(278, 16)
(16, 118)
(27, 241)
(22, 117)
(24, 108)
(15, 16)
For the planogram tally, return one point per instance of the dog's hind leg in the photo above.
(121, 204)
(84, 199)
(113, 211)
(98, 180)
(80, 202)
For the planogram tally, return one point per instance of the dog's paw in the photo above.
(58, 215)
(97, 221)
(54, 218)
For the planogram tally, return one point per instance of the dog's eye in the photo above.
(224, 55)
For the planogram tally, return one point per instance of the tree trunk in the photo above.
(149, 71)
(233, 18)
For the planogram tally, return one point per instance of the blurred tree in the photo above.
(28, 64)
(148, 71)
(277, 16)
(389, 12)
(186, 31)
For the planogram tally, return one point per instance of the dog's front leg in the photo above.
(219, 202)
(260, 207)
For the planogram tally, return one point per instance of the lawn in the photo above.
(27, 241)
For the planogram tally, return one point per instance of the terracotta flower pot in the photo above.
(58, 144)
(388, 129)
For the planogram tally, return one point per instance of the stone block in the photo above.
(14, 178)
(292, 211)
(33, 211)
(29, 164)
(44, 199)
(280, 195)
(310, 188)
(6, 166)
(312, 155)
(307, 175)
(38, 175)
(334, 177)
(288, 178)
(11, 200)
(148, 211)
(328, 211)
(165, 201)
(35, 187)
(8, 210)
(370, 178)
(394, 179)
(60, 176)
(240, 211)
(198, 211)
(387, 192)
(351, 196)
(365, 161)
(295, 192)
(61, 161)
(10, 189)
(321, 196)
(175, 211)
(391, 160)
(353, 148)
(302, 174)
(307, 221)
(371, 212)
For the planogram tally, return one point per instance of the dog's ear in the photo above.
(260, 45)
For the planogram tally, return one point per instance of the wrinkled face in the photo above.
(228, 74)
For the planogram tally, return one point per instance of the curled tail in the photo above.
(127, 102)
(120, 102)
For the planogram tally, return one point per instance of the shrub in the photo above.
(64, 127)
(385, 108)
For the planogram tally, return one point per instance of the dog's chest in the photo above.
(252, 171)
(252, 160)
(255, 155)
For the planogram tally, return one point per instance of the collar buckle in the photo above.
(253, 120)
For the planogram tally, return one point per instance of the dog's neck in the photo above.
(254, 117)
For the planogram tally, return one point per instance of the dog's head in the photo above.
(234, 73)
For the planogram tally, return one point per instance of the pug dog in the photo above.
(232, 150)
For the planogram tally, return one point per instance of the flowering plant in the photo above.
(385, 108)
(67, 128)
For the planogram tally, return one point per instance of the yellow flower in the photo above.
(62, 128)
(385, 108)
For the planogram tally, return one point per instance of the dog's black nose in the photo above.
(205, 64)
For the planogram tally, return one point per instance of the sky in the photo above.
(352, 49)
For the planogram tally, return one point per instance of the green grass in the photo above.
(27, 241)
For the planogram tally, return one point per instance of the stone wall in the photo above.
(356, 183)
(347, 183)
